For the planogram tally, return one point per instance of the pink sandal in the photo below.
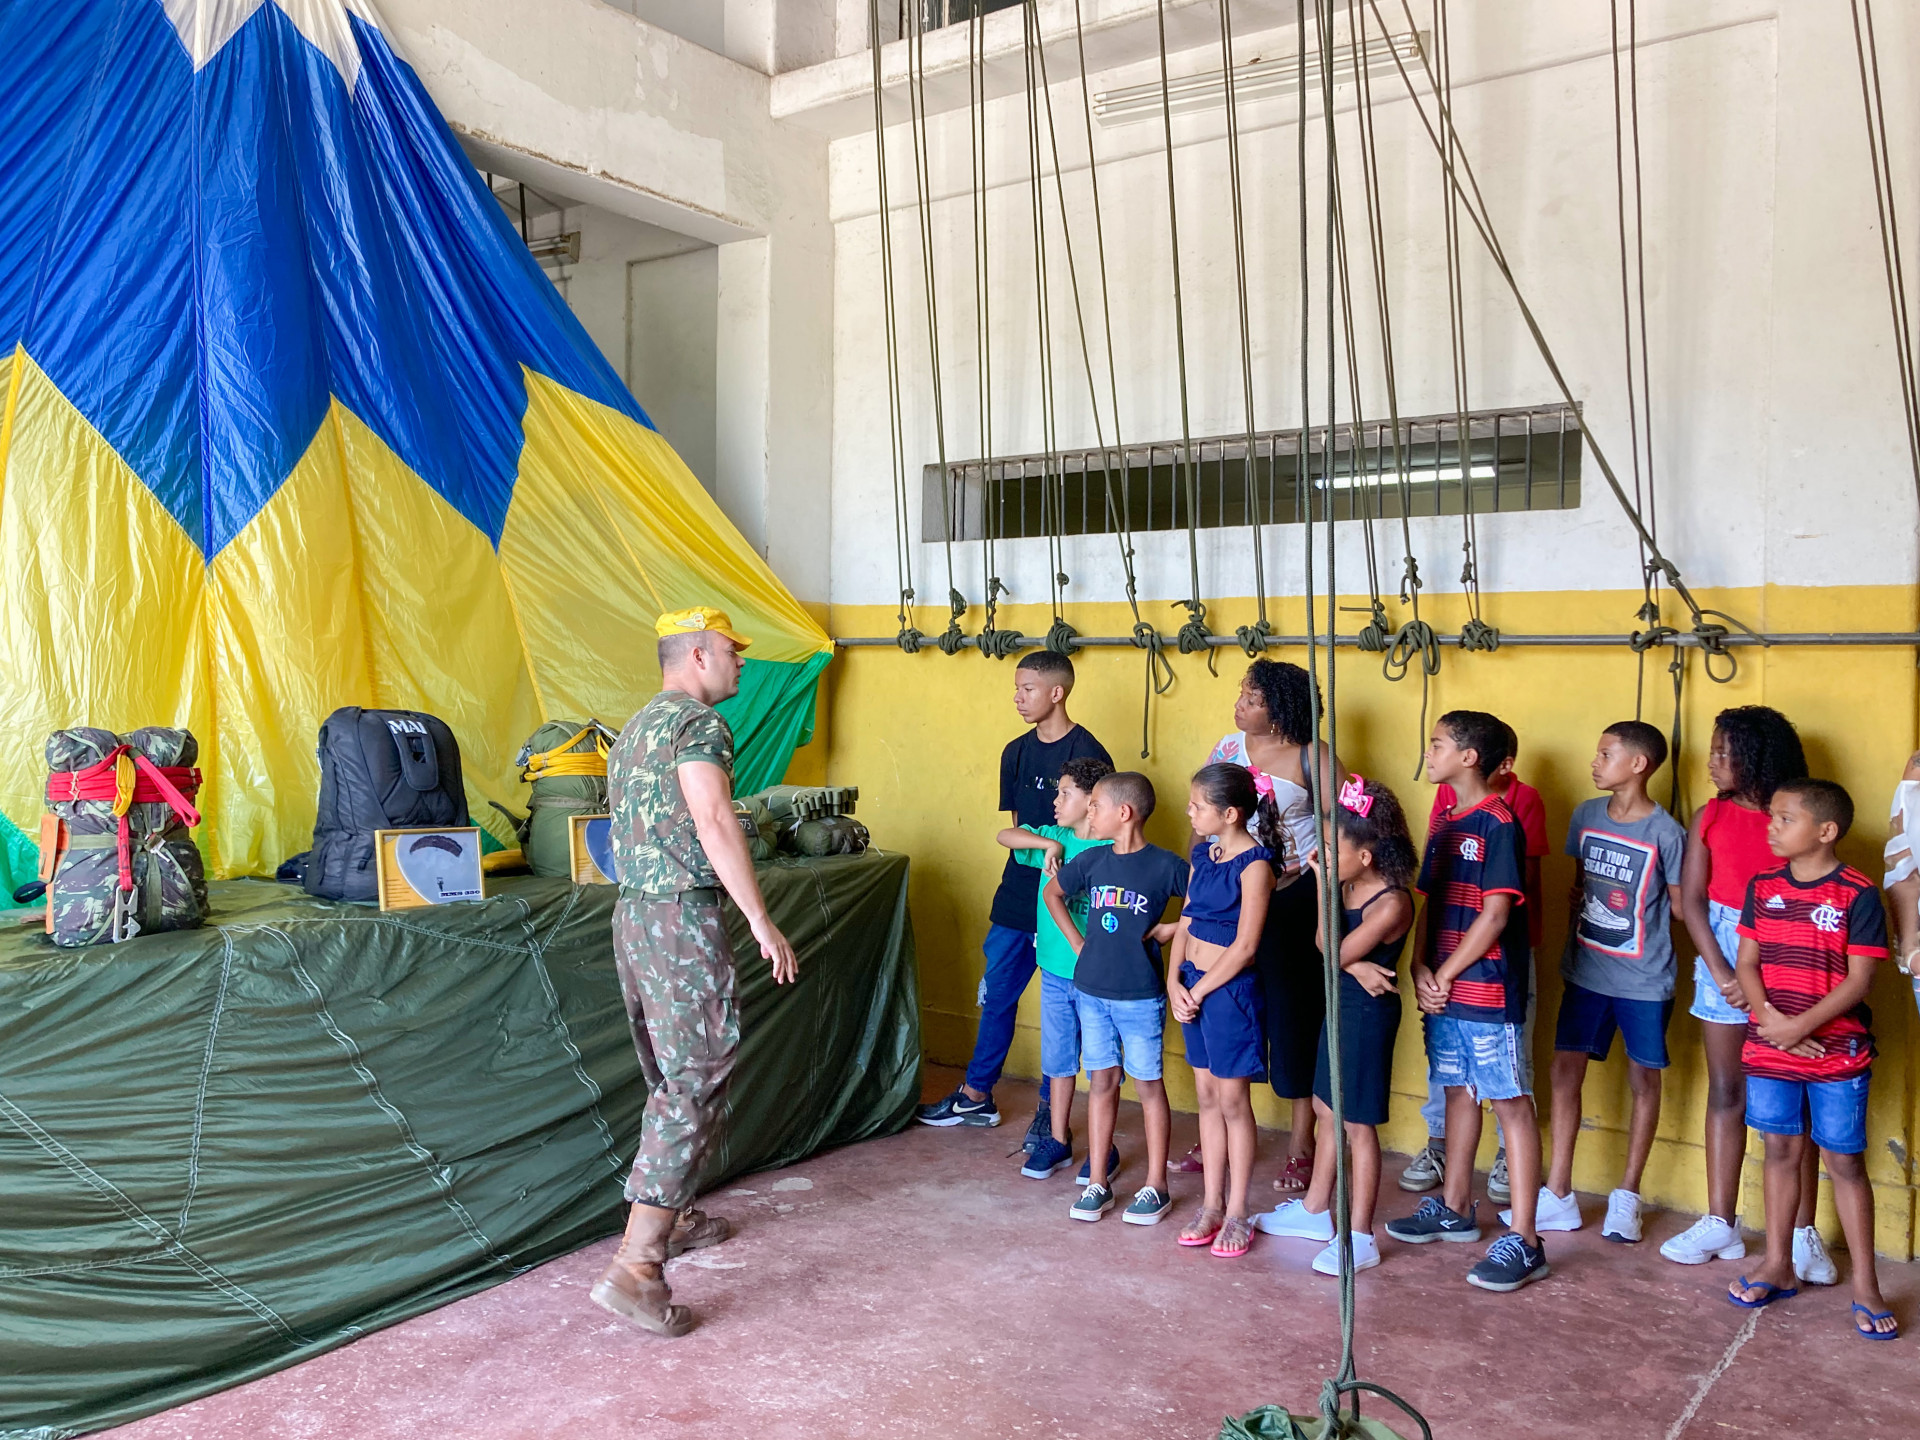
(1205, 1226)
(1236, 1235)
(1190, 1163)
(1295, 1176)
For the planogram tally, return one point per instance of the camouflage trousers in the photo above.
(676, 976)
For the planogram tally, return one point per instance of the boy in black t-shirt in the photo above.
(1029, 775)
(1119, 987)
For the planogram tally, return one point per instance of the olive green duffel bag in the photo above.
(566, 763)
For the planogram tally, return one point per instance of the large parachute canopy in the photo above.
(293, 421)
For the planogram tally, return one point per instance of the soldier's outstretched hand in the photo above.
(778, 950)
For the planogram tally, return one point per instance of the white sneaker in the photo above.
(1294, 1221)
(1550, 1212)
(1623, 1217)
(1811, 1262)
(1708, 1238)
(1366, 1255)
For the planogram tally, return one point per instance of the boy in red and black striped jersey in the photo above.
(1811, 933)
(1470, 974)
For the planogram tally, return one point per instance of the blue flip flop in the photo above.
(1873, 1318)
(1773, 1293)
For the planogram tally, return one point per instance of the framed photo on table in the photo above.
(428, 867)
(590, 850)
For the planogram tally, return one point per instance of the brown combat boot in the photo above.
(635, 1287)
(695, 1230)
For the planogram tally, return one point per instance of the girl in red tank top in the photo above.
(1755, 749)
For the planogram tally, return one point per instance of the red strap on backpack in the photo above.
(128, 778)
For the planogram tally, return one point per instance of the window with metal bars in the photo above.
(936, 13)
(1521, 459)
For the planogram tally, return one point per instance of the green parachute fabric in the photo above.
(229, 1149)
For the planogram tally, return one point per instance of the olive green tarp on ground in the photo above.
(225, 1150)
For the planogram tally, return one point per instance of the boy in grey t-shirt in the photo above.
(1619, 964)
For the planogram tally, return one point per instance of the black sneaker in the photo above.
(1434, 1221)
(1510, 1263)
(1086, 1167)
(959, 1108)
(1041, 1127)
(1048, 1157)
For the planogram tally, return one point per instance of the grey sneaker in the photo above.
(1094, 1202)
(1149, 1207)
(1040, 1128)
(1434, 1221)
(1426, 1170)
(1498, 1189)
(1510, 1263)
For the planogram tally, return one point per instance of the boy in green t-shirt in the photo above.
(1047, 848)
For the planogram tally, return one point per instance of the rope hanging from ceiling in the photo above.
(952, 639)
(1194, 633)
(908, 638)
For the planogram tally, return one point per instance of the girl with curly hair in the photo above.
(1755, 750)
(1275, 713)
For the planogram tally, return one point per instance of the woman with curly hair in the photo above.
(1755, 750)
(1275, 713)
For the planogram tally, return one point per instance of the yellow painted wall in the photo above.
(921, 736)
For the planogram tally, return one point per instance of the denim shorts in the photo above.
(1129, 1032)
(1588, 1020)
(1229, 1038)
(1838, 1109)
(1708, 1003)
(1483, 1055)
(1059, 1027)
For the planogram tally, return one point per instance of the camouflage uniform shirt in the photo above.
(654, 840)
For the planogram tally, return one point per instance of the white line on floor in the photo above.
(1712, 1376)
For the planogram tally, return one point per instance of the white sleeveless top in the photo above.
(1294, 801)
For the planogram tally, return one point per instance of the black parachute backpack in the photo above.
(379, 770)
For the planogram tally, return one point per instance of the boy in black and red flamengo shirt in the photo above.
(1811, 933)
(1470, 974)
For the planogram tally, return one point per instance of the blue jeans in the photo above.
(1434, 1111)
(1481, 1055)
(1835, 1110)
(1059, 1028)
(1113, 1033)
(1010, 965)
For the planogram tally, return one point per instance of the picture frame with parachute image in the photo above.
(590, 850)
(417, 867)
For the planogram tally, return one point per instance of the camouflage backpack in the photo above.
(566, 763)
(128, 866)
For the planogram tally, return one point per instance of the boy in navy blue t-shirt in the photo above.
(1470, 973)
(1119, 986)
(1030, 769)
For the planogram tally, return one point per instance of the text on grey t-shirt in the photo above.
(1620, 943)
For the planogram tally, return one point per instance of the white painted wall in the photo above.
(1778, 439)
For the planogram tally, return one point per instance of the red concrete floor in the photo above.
(918, 1286)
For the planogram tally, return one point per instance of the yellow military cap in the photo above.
(699, 617)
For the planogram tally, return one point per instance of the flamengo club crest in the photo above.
(1470, 847)
(1826, 918)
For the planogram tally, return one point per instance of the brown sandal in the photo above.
(1205, 1226)
(1295, 1176)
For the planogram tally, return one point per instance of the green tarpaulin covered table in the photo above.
(226, 1150)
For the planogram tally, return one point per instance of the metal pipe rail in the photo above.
(1862, 638)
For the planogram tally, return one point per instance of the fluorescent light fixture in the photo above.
(1256, 80)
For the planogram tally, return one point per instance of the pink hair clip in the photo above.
(1263, 784)
(1354, 797)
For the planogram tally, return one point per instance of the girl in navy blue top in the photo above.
(1215, 996)
(1374, 862)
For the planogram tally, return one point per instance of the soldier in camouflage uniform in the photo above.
(675, 841)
